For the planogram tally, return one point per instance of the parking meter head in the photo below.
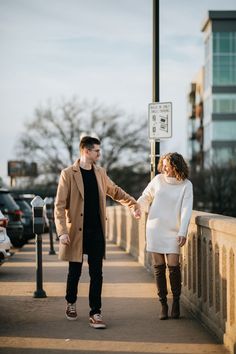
(38, 220)
(49, 207)
(48, 201)
(37, 202)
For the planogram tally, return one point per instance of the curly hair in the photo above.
(177, 163)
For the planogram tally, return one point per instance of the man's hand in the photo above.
(181, 240)
(64, 239)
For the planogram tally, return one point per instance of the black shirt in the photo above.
(92, 235)
(91, 200)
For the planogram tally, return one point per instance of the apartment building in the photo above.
(215, 90)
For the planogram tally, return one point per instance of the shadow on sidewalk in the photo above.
(130, 308)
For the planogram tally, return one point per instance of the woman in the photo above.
(169, 196)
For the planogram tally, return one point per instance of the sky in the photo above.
(97, 50)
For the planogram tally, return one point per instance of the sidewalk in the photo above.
(130, 309)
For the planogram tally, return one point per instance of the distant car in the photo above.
(5, 243)
(12, 212)
(28, 198)
(26, 217)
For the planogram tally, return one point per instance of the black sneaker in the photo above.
(71, 313)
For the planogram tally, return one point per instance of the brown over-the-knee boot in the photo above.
(175, 283)
(160, 276)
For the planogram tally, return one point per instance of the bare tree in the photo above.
(51, 137)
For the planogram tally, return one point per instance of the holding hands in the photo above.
(137, 211)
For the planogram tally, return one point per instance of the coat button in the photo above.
(80, 229)
(81, 214)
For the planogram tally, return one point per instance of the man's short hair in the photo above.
(88, 142)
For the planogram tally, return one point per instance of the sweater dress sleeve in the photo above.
(147, 196)
(186, 210)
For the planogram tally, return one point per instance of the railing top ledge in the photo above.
(217, 222)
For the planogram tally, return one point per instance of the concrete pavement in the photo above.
(130, 309)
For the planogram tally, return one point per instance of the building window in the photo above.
(224, 58)
(224, 130)
(224, 155)
(224, 103)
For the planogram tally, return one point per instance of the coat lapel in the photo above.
(78, 178)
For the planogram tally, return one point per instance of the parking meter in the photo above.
(48, 203)
(49, 210)
(38, 227)
(38, 220)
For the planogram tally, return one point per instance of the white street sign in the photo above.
(160, 120)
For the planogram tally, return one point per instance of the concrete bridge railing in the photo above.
(208, 265)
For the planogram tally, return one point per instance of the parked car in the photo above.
(26, 217)
(5, 243)
(28, 198)
(11, 210)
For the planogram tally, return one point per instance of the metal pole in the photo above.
(39, 293)
(52, 251)
(155, 145)
(38, 224)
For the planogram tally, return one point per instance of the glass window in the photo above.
(224, 130)
(224, 155)
(224, 58)
(224, 103)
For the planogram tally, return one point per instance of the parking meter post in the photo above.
(48, 202)
(39, 292)
(38, 226)
(52, 250)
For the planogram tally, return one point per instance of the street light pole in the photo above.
(155, 145)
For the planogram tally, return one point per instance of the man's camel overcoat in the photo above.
(69, 207)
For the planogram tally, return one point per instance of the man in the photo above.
(80, 222)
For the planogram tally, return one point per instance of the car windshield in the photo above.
(7, 202)
(24, 206)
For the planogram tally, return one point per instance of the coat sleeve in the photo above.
(186, 210)
(147, 196)
(118, 194)
(61, 203)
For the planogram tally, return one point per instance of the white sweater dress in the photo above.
(170, 202)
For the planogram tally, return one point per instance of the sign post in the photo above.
(155, 144)
(159, 127)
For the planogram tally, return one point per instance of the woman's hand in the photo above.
(181, 240)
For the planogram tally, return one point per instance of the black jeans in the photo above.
(95, 260)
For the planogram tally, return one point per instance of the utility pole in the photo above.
(155, 144)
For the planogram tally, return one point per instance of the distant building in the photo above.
(212, 137)
(195, 122)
